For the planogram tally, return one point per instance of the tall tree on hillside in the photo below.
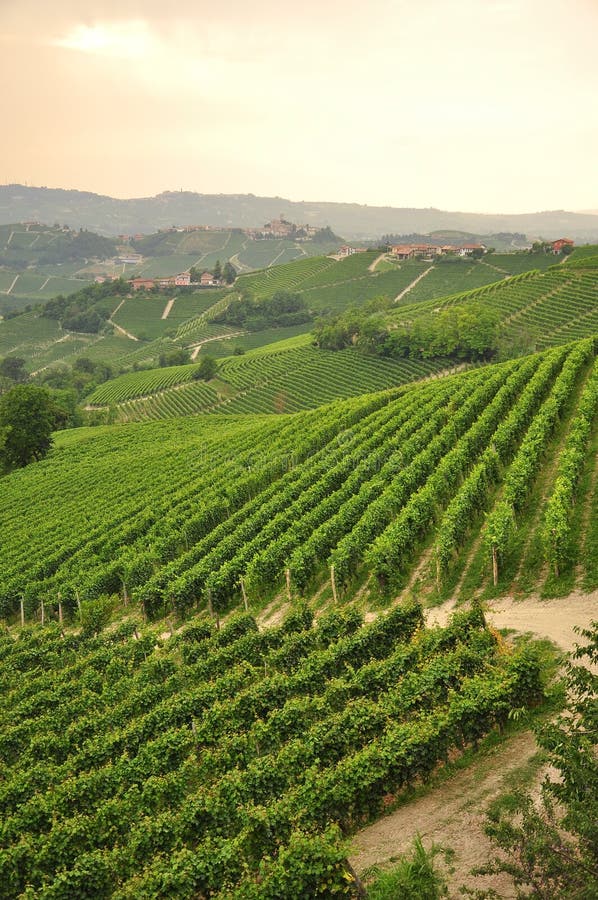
(27, 419)
(13, 367)
(217, 273)
(229, 273)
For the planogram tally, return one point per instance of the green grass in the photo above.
(415, 876)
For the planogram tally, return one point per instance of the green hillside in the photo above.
(534, 310)
(547, 308)
(157, 779)
(196, 504)
(150, 325)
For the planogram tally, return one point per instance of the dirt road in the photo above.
(452, 814)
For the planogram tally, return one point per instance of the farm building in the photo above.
(559, 245)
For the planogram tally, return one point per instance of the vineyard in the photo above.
(277, 382)
(552, 308)
(203, 512)
(230, 763)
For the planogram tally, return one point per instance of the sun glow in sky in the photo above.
(127, 40)
(458, 104)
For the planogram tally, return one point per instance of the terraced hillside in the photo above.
(277, 382)
(222, 763)
(551, 307)
(537, 310)
(152, 325)
(175, 514)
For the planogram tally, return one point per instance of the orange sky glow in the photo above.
(460, 104)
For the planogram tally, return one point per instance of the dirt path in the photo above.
(14, 281)
(168, 307)
(412, 285)
(452, 814)
(554, 619)
(118, 327)
(122, 331)
(372, 265)
(219, 337)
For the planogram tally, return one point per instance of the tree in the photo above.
(550, 847)
(177, 357)
(27, 418)
(217, 273)
(206, 369)
(229, 273)
(13, 367)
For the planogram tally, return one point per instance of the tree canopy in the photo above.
(28, 416)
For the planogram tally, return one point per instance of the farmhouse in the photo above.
(470, 249)
(402, 251)
(345, 250)
(559, 245)
(428, 251)
(206, 279)
(142, 284)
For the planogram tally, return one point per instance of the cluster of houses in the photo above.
(429, 251)
(183, 279)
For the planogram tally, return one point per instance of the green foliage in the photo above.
(229, 273)
(360, 484)
(282, 309)
(13, 368)
(499, 528)
(550, 848)
(177, 357)
(27, 419)
(415, 877)
(556, 532)
(206, 369)
(96, 614)
(458, 332)
(229, 762)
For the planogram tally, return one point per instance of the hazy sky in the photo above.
(481, 105)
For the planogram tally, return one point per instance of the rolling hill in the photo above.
(365, 480)
(233, 760)
(146, 325)
(111, 216)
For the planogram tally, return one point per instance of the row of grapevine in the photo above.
(219, 763)
(557, 517)
(521, 473)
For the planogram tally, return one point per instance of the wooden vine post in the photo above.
(244, 592)
(287, 573)
(494, 564)
(22, 611)
(60, 609)
(78, 602)
(333, 583)
(43, 612)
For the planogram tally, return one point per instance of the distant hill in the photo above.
(147, 214)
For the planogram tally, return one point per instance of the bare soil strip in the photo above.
(168, 307)
(412, 285)
(452, 814)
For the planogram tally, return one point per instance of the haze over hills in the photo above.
(110, 215)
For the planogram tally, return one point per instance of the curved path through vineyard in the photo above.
(452, 813)
(412, 285)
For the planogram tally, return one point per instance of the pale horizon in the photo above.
(462, 106)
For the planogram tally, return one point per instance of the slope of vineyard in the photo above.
(553, 307)
(222, 763)
(540, 310)
(278, 382)
(179, 513)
